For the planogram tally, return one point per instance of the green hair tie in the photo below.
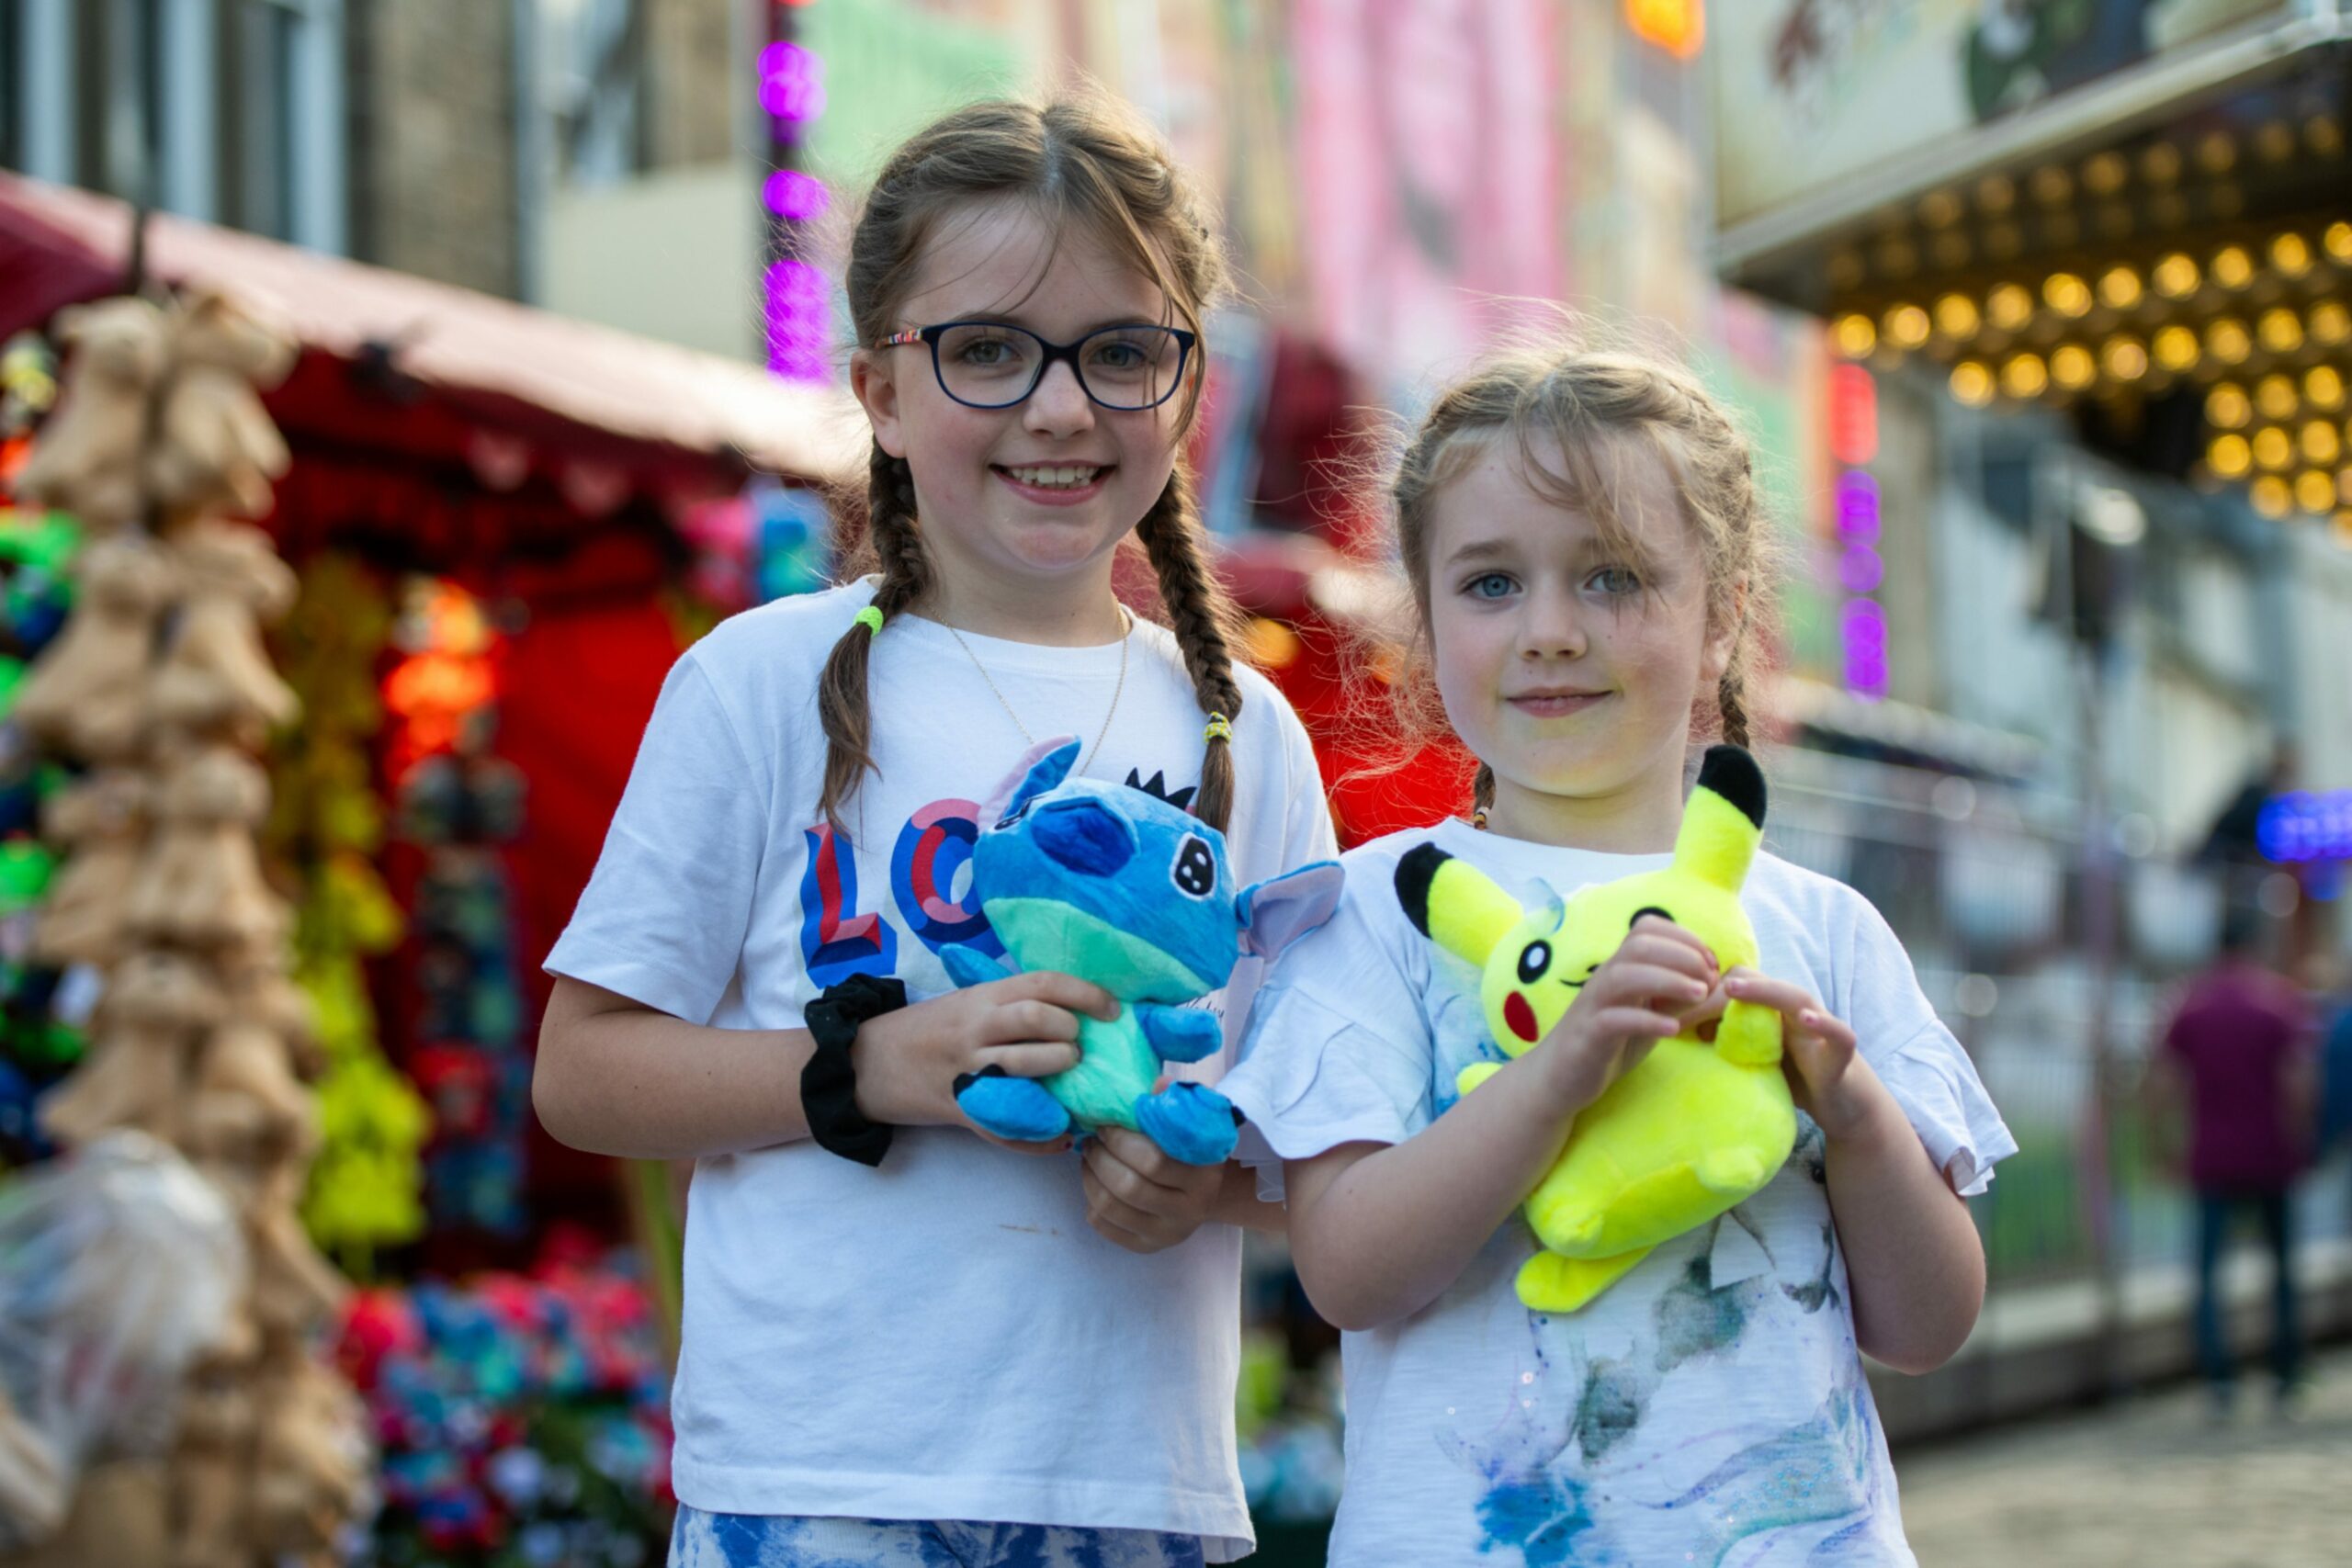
(870, 619)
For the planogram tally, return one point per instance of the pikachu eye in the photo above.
(1533, 959)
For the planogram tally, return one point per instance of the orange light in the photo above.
(2124, 358)
(2232, 268)
(2226, 406)
(2226, 340)
(2024, 375)
(2275, 396)
(1854, 335)
(2009, 306)
(1905, 326)
(2330, 323)
(2228, 457)
(2176, 347)
(2072, 367)
(2281, 330)
(1971, 383)
(2314, 492)
(2067, 294)
(1956, 316)
(2119, 288)
(2176, 277)
(2271, 496)
(2271, 447)
(2320, 442)
(2338, 240)
(2323, 387)
(1677, 26)
(2290, 254)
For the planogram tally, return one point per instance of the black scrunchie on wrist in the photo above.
(829, 1083)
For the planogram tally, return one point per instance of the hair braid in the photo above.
(896, 547)
(1205, 624)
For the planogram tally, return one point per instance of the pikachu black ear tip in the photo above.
(1732, 773)
(1415, 873)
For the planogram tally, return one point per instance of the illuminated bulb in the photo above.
(2160, 164)
(2009, 306)
(2343, 527)
(2320, 442)
(2072, 367)
(2271, 447)
(2275, 142)
(1971, 383)
(2228, 457)
(1906, 326)
(2003, 241)
(1939, 210)
(2232, 268)
(2226, 406)
(2216, 152)
(2330, 323)
(2176, 277)
(1898, 258)
(1997, 193)
(2275, 396)
(2323, 387)
(2323, 136)
(2176, 347)
(1854, 335)
(1956, 316)
(2051, 186)
(2119, 288)
(2282, 330)
(2024, 375)
(2314, 492)
(2271, 496)
(2226, 340)
(2067, 295)
(2338, 240)
(2290, 254)
(2106, 172)
(2125, 357)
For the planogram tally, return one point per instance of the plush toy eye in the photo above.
(1194, 872)
(1534, 960)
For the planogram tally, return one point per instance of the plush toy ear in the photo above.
(1277, 912)
(1040, 768)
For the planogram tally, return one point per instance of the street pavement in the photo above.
(2156, 1480)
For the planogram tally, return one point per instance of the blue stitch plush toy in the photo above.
(1117, 886)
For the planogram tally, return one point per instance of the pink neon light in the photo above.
(796, 197)
(799, 319)
(792, 83)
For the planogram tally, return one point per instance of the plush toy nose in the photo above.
(1084, 837)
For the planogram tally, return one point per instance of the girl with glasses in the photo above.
(906, 1342)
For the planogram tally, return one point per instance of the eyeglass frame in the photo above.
(1055, 354)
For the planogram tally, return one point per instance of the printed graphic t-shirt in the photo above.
(1710, 1406)
(943, 1337)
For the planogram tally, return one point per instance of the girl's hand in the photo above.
(1655, 980)
(1828, 1076)
(1139, 1197)
(907, 1062)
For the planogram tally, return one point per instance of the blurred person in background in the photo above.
(2237, 1064)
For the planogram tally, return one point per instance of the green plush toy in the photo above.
(1699, 1123)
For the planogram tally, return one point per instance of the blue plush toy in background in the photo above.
(1118, 886)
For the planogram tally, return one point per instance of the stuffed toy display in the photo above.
(1704, 1120)
(216, 449)
(201, 1036)
(87, 696)
(88, 458)
(1118, 886)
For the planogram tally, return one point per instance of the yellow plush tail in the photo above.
(1723, 824)
(1453, 903)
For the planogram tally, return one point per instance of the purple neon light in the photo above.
(796, 197)
(1859, 569)
(799, 319)
(792, 83)
(1863, 626)
(1857, 507)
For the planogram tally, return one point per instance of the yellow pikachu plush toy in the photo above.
(1699, 1123)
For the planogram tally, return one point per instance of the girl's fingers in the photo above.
(1030, 1058)
(1066, 991)
(1638, 1024)
(1058, 1146)
(1022, 1021)
(1137, 1155)
(1781, 996)
(1665, 936)
(1620, 981)
(1118, 1220)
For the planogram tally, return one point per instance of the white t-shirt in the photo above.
(1708, 1407)
(944, 1338)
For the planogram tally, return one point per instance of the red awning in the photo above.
(541, 375)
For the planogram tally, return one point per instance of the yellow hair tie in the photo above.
(1219, 728)
(870, 619)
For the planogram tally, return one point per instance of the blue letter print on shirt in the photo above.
(836, 941)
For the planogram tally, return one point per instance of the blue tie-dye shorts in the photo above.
(760, 1540)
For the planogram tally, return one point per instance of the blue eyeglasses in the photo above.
(990, 364)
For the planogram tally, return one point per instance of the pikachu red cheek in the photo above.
(1519, 1017)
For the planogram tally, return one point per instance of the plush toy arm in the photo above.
(1180, 1034)
(1474, 1074)
(1748, 1034)
(969, 966)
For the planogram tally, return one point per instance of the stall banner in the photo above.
(891, 66)
(1809, 92)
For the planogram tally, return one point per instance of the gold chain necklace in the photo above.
(1125, 638)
